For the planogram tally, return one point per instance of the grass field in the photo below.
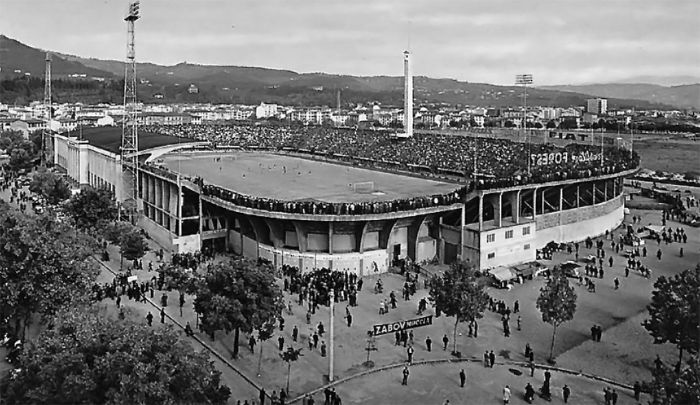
(670, 155)
(291, 178)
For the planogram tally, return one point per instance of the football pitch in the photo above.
(292, 179)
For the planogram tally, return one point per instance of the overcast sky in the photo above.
(558, 41)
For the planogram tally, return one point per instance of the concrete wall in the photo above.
(426, 249)
(371, 241)
(187, 244)
(156, 232)
(354, 262)
(343, 243)
(577, 225)
(398, 236)
(517, 249)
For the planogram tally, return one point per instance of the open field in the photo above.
(292, 178)
(670, 155)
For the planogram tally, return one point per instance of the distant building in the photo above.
(265, 110)
(597, 106)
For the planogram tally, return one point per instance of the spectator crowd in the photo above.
(481, 163)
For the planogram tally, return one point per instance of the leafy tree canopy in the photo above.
(670, 388)
(50, 186)
(673, 312)
(91, 207)
(43, 266)
(459, 292)
(89, 359)
(238, 294)
(557, 303)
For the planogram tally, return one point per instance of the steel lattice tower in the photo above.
(47, 107)
(130, 139)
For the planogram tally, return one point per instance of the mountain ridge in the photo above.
(252, 85)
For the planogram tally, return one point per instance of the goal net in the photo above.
(364, 187)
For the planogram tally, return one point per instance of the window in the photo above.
(491, 255)
(509, 234)
(526, 247)
(526, 230)
(490, 237)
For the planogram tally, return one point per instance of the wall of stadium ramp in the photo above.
(579, 224)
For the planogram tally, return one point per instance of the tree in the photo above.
(670, 387)
(264, 334)
(508, 124)
(289, 356)
(237, 295)
(43, 266)
(132, 245)
(50, 186)
(557, 303)
(89, 358)
(673, 312)
(459, 292)
(92, 206)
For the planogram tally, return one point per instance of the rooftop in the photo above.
(110, 138)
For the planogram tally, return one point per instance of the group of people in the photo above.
(496, 162)
(324, 208)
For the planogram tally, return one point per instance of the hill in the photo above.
(16, 56)
(683, 96)
(252, 85)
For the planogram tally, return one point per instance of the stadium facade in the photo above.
(494, 226)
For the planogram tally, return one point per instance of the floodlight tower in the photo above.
(47, 107)
(130, 140)
(525, 79)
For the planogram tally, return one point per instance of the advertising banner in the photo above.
(386, 328)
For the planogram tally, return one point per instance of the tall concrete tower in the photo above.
(407, 94)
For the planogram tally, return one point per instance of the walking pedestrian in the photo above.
(487, 361)
(323, 349)
(149, 318)
(251, 344)
(428, 343)
(492, 358)
(162, 315)
(637, 390)
(617, 283)
(405, 376)
(518, 321)
(280, 343)
(566, 391)
(349, 319)
(462, 378)
(445, 341)
(506, 395)
(295, 333)
(409, 352)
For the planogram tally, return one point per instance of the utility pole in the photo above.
(332, 333)
(525, 79)
(130, 140)
(47, 105)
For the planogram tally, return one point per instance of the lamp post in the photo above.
(525, 79)
(332, 345)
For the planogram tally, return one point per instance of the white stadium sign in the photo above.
(546, 159)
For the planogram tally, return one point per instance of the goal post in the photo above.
(363, 187)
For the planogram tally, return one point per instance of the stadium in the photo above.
(356, 200)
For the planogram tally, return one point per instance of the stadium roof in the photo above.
(110, 138)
